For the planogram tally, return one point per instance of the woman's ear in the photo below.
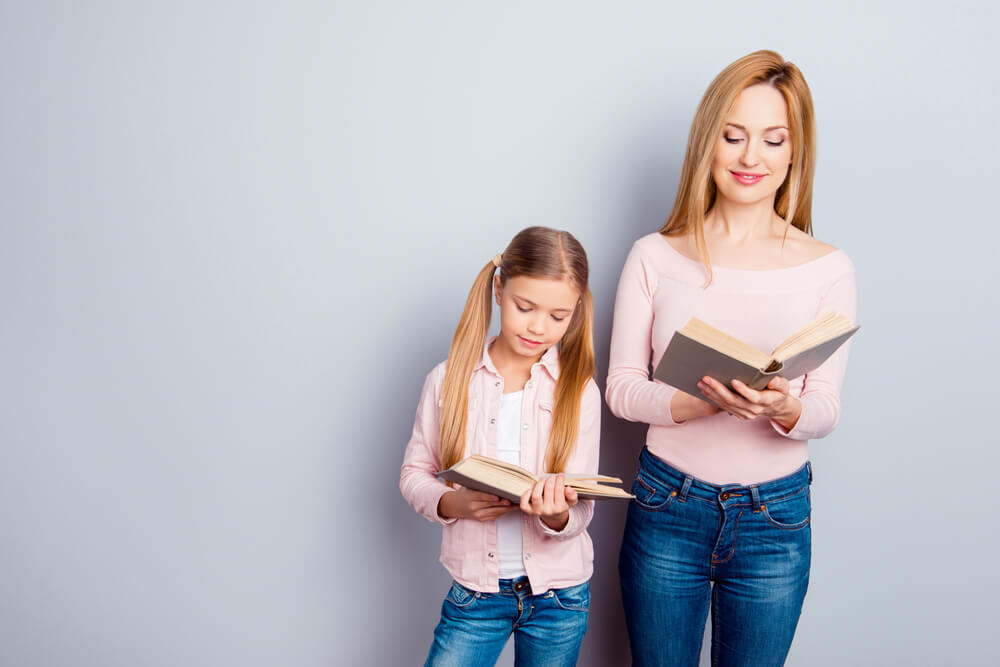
(497, 288)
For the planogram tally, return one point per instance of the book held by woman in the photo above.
(698, 349)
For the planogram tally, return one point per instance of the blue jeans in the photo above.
(548, 628)
(742, 551)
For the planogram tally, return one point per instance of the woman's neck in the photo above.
(737, 222)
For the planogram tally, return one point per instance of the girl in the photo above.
(721, 516)
(521, 398)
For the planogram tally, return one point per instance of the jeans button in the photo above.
(520, 585)
(724, 496)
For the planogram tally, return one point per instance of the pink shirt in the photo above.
(552, 559)
(659, 291)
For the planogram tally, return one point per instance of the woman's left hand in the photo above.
(551, 499)
(773, 402)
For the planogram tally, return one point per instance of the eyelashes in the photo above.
(736, 140)
(528, 310)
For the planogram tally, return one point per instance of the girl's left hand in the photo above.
(551, 499)
(773, 402)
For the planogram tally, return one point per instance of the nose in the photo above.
(750, 157)
(537, 324)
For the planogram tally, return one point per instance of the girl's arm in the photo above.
(631, 394)
(418, 479)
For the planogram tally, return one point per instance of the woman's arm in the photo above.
(816, 411)
(630, 393)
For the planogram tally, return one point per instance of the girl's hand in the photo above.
(464, 503)
(773, 402)
(551, 499)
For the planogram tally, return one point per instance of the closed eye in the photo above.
(774, 143)
(523, 309)
(733, 140)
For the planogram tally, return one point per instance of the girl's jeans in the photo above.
(547, 628)
(742, 551)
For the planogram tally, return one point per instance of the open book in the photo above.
(697, 350)
(510, 481)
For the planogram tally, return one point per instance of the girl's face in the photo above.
(755, 150)
(534, 313)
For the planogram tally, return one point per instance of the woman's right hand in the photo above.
(684, 406)
(463, 503)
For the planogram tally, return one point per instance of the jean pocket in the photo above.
(460, 596)
(574, 598)
(650, 494)
(789, 513)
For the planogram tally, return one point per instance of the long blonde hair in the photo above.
(536, 252)
(696, 191)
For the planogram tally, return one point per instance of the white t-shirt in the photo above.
(509, 449)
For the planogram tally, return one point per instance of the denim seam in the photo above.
(736, 527)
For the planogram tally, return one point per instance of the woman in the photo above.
(721, 515)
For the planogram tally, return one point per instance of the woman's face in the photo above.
(753, 153)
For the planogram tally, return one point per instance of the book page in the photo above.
(708, 335)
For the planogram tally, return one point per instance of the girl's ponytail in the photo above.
(576, 368)
(466, 347)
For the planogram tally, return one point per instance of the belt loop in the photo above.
(809, 469)
(755, 497)
(685, 487)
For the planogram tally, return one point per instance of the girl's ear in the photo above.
(497, 288)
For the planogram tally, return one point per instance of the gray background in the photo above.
(236, 236)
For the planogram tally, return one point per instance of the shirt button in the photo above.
(525, 427)
(527, 556)
(491, 554)
(492, 420)
(497, 384)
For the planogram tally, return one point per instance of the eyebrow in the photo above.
(767, 129)
(532, 303)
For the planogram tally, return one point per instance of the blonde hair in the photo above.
(696, 191)
(536, 252)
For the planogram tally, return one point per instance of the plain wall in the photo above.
(236, 236)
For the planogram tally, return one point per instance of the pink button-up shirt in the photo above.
(552, 559)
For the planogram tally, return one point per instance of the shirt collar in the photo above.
(549, 360)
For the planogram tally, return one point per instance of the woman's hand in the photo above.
(773, 402)
(464, 503)
(551, 499)
(684, 406)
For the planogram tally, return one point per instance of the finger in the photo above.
(733, 401)
(559, 493)
(571, 496)
(526, 502)
(747, 392)
(778, 384)
(483, 496)
(538, 492)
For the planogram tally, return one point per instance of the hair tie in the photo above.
(497, 260)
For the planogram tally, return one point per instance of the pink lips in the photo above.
(529, 343)
(746, 178)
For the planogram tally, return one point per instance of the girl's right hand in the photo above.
(684, 406)
(463, 503)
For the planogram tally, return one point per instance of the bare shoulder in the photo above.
(801, 247)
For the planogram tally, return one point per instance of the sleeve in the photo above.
(584, 459)
(418, 479)
(821, 388)
(631, 394)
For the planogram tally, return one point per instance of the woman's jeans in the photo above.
(689, 544)
(548, 628)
